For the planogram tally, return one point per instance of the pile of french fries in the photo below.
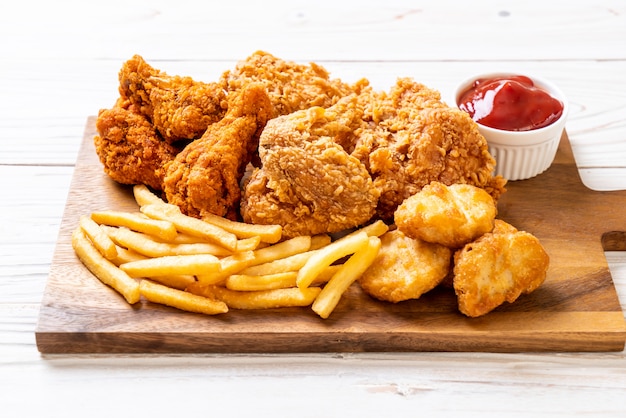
(214, 264)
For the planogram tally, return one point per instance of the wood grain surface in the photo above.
(576, 309)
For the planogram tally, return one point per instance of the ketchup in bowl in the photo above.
(511, 103)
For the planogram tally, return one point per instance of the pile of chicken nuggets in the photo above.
(277, 142)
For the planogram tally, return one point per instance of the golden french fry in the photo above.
(267, 233)
(179, 299)
(248, 244)
(228, 265)
(326, 274)
(291, 263)
(263, 299)
(244, 282)
(172, 265)
(180, 281)
(164, 230)
(98, 237)
(282, 250)
(104, 269)
(326, 256)
(350, 271)
(190, 225)
(146, 245)
(319, 241)
(125, 255)
(375, 229)
(143, 196)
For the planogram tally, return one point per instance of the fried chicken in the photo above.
(448, 215)
(178, 107)
(405, 268)
(498, 267)
(130, 149)
(416, 139)
(205, 177)
(308, 183)
(404, 140)
(291, 86)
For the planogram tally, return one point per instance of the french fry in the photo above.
(164, 230)
(350, 271)
(319, 241)
(244, 282)
(291, 263)
(267, 233)
(143, 196)
(104, 269)
(146, 245)
(179, 299)
(190, 225)
(248, 244)
(98, 237)
(180, 281)
(375, 229)
(228, 265)
(282, 250)
(326, 256)
(124, 255)
(172, 265)
(264, 299)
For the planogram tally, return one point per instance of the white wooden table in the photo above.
(58, 65)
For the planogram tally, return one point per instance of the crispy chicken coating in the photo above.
(498, 267)
(416, 139)
(448, 215)
(130, 149)
(405, 268)
(178, 107)
(291, 86)
(308, 183)
(205, 177)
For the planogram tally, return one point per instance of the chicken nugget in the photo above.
(448, 215)
(405, 268)
(498, 267)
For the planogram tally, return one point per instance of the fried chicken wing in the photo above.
(416, 139)
(498, 267)
(205, 177)
(178, 107)
(405, 268)
(130, 149)
(308, 183)
(291, 86)
(448, 215)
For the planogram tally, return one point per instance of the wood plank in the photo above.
(577, 308)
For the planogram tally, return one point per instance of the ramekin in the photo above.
(522, 155)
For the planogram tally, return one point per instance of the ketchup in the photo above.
(511, 103)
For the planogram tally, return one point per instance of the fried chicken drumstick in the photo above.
(130, 149)
(205, 177)
(178, 107)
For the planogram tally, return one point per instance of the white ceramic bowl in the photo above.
(521, 155)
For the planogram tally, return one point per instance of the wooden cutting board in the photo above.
(576, 309)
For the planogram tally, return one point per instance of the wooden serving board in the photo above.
(576, 309)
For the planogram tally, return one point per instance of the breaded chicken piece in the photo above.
(448, 215)
(405, 268)
(178, 107)
(416, 139)
(308, 183)
(291, 86)
(498, 267)
(205, 177)
(130, 149)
